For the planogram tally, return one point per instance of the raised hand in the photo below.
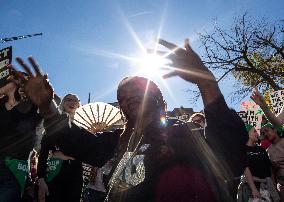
(36, 86)
(186, 63)
(8, 88)
(258, 98)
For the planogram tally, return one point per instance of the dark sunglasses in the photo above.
(72, 100)
(198, 121)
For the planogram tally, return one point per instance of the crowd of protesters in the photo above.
(144, 161)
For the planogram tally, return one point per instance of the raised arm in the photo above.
(225, 131)
(188, 65)
(274, 119)
(94, 149)
(74, 141)
(37, 87)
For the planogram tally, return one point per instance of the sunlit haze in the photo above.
(89, 46)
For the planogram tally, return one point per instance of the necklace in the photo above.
(131, 139)
(127, 156)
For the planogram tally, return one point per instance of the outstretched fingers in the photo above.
(187, 46)
(24, 66)
(169, 54)
(168, 45)
(35, 65)
(175, 50)
(27, 68)
(156, 52)
(170, 74)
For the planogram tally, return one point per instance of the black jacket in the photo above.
(18, 129)
(210, 164)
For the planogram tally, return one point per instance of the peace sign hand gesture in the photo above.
(186, 63)
(36, 86)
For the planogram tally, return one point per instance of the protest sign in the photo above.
(277, 100)
(5, 59)
(251, 113)
(86, 172)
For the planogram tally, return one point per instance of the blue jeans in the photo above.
(9, 187)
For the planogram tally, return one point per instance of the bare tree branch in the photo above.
(252, 50)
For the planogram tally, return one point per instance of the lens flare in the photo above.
(151, 64)
(163, 120)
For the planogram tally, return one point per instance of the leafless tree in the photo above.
(251, 50)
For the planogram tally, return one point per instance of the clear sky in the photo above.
(83, 41)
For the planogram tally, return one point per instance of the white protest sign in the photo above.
(277, 100)
(5, 56)
(253, 114)
(5, 59)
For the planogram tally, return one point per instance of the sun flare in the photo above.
(152, 65)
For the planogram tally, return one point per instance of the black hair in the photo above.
(142, 83)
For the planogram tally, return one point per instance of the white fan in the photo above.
(98, 116)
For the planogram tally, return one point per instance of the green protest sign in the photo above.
(54, 167)
(20, 170)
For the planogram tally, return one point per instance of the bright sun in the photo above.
(151, 64)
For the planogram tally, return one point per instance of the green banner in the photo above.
(54, 167)
(20, 170)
